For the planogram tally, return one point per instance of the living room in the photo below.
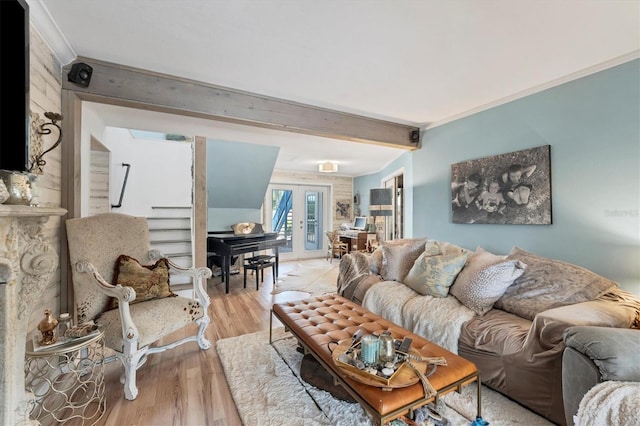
(588, 116)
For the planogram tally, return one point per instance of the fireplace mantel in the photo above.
(27, 261)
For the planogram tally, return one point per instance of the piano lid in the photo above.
(230, 236)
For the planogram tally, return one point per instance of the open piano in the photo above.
(225, 245)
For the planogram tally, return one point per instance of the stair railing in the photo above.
(124, 185)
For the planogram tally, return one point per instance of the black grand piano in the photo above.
(225, 244)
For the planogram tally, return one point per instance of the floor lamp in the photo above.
(380, 205)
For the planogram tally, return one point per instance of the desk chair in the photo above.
(335, 246)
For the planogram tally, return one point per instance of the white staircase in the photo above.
(170, 233)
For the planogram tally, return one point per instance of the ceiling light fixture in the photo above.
(328, 167)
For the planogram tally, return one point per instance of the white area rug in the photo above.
(266, 387)
(316, 276)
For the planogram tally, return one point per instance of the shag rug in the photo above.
(267, 390)
(315, 276)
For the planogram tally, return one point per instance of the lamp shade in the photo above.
(380, 202)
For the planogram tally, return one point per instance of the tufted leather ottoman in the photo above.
(317, 321)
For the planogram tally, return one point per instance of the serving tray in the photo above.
(404, 375)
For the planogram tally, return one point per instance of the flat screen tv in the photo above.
(359, 223)
(14, 85)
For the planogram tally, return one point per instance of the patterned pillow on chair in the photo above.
(149, 282)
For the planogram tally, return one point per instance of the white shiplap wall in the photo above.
(45, 78)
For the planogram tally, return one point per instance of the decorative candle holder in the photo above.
(369, 349)
(386, 350)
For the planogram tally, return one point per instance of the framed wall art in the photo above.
(343, 209)
(513, 188)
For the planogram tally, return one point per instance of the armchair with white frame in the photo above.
(133, 326)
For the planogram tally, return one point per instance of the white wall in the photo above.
(160, 173)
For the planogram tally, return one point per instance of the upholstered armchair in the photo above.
(124, 287)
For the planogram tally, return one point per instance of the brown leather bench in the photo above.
(317, 321)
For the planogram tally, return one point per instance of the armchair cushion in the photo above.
(149, 282)
(154, 320)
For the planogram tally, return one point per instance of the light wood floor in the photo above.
(185, 385)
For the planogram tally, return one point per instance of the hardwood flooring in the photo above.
(185, 385)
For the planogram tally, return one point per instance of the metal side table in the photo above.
(67, 380)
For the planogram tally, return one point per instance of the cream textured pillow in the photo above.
(484, 280)
(433, 275)
(398, 257)
(549, 283)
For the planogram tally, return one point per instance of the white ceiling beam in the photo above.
(127, 86)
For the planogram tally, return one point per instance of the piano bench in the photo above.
(259, 264)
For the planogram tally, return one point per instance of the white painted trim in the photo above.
(400, 171)
(50, 33)
(553, 83)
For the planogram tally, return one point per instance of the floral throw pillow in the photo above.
(432, 275)
(484, 279)
(149, 282)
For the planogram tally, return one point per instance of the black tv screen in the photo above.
(14, 85)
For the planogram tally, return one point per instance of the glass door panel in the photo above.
(281, 216)
(313, 225)
(297, 214)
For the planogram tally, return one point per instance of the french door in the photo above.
(297, 213)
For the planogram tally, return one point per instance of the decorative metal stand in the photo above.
(67, 381)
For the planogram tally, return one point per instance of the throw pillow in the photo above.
(450, 248)
(432, 248)
(484, 280)
(549, 283)
(149, 282)
(375, 261)
(398, 257)
(433, 275)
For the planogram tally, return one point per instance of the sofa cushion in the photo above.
(432, 275)
(497, 332)
(613, 350)
(549, 283)
(484, 279)
(398, 257)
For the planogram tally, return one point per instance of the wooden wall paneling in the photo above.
(200, 209)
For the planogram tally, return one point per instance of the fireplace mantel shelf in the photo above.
(9, 210)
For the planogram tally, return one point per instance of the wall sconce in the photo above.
(37, 161)
(380, 202)
(328, 167)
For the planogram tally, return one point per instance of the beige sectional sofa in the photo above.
(506, 313)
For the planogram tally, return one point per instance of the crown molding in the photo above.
(50, 33)
(553, 83)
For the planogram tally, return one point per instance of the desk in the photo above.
(67, 381)
(356, 241)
